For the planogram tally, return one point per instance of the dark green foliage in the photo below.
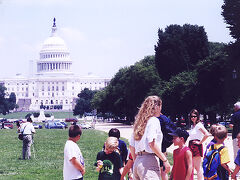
(12, 101)
(231, 9)
(179, 48)
(128, 89)
(84, 102)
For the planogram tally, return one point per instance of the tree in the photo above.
(4, 104)
(179, 48)
(128, 89)
(12, 101)
(178, 94)
(84, 102)
(231, 9)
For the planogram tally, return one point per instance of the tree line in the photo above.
(187, 71)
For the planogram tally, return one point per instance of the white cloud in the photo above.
(71, 34)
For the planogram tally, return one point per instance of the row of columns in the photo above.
(54, 66)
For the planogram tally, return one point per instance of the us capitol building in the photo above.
(54, 86)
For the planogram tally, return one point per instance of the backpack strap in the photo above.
(219, 149)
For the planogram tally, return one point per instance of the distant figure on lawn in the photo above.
(27, 130)
(73, 167)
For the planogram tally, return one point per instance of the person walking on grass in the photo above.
(27, 130)
(182, 157)
(73, 167)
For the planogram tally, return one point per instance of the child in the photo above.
(114, 132)
(73, 160)
(109, 162)
(182, 157)
(212, 131)
(220, 135)
(237, 160)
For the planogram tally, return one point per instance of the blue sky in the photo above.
(102, 35)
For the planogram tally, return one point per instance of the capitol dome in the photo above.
(54, 55)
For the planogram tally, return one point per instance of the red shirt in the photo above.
(180, 164)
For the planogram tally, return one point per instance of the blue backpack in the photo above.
(211, 164)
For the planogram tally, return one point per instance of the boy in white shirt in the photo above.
(73, 160)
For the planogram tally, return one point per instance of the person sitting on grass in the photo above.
(109, 162)
(73, 167)
(182, 157)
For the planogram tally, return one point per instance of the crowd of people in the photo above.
(147, 159)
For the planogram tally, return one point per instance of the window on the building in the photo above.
(62, 88)
(66, 101)
(46, 102)
(48, 88)
(56, 88)
(42, 88)
(52, 88)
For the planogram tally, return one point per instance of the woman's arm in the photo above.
(159, 153)
(132, 150)
(188, 155)
(126, 168)
(205, 133)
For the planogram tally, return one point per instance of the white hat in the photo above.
(237, 105)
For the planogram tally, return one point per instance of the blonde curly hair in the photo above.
(147, 110)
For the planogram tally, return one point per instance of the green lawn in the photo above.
(49, 146)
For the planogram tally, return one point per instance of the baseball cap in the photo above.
(180, 133)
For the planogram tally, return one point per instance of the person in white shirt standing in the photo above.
(146, 141)
(73, 167)
(27, 129)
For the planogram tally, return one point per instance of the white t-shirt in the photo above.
(27, 128)
(195, 132)
(71, 150)
(152, 131)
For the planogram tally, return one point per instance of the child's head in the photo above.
(74, 131)
(114, 132)
(221, 132)
(179, 136)
(213, 128)
(111, 144)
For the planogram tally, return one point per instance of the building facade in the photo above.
(54, 86)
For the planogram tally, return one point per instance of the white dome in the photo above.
(54, 44)
(54, 56)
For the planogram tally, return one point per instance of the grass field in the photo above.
(48, 161)
(49, 146)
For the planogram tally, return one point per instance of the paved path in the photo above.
(126, 131)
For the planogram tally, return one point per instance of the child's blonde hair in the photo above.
(213, 128)
(221, 132)
(112, 143)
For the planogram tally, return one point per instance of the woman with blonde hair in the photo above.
(146, 141)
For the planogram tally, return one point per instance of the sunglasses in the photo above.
(193, 116)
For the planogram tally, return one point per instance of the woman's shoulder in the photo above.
(153, 120)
